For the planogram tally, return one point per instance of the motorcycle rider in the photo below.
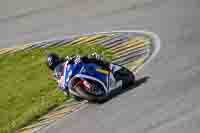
(57, 65)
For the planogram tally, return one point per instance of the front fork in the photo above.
(113, 83)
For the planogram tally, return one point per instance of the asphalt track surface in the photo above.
(167, 102)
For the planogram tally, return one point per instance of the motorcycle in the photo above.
(94, 83)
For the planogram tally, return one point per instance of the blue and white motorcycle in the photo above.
(93, 82)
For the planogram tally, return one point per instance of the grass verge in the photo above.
(26, 92)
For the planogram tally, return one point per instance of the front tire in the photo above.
(89, 97)
(77, 98)
(127, 77)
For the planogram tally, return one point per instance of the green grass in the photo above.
(25, 91)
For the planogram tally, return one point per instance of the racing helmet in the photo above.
(53, 60)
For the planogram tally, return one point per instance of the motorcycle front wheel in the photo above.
(127, 77)
(85, 95)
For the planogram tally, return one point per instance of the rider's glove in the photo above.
(77, 60)
(96, 56)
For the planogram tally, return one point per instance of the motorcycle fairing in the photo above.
(71, 70)
(91, 71)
